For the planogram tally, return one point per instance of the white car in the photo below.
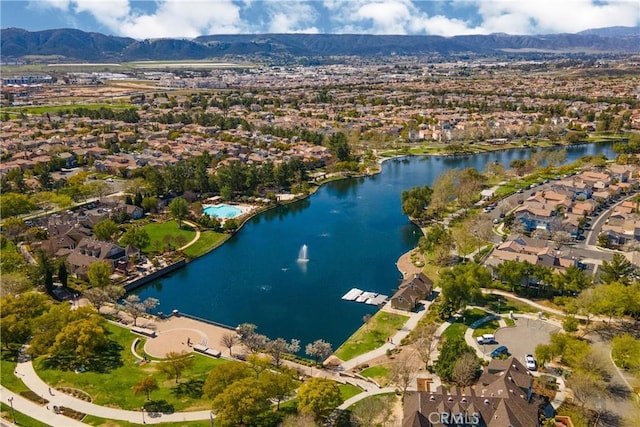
(530, 362)
(486, 339)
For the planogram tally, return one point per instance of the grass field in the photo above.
(162, 234)
(208, 240)
(378, 373)
(486, 328)
(114, 388)
(348, 391)
(466, 320)
(371, 335)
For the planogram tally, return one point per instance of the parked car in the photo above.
(486, 339)
(530, 362)
(499, 351)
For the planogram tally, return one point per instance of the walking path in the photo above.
(195, 239)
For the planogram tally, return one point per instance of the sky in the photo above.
(191, 18)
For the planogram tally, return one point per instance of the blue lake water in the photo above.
(355, 232)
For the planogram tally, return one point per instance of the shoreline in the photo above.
(404, 260)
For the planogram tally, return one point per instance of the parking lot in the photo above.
(522, 338)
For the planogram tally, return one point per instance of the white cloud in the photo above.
(554, 16)
(291, 17)
(191, 18)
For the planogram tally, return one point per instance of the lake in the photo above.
(354, 231)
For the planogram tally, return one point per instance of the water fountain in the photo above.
(303, 255)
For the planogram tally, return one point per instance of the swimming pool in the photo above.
(222, 211)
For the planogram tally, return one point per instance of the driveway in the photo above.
(524, 337)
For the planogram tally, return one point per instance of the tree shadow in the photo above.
(618, 392)
(104, 361)
(609, 419)
(191, 388)
(157, 407)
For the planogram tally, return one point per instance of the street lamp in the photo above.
(13, 414)
(143, 421)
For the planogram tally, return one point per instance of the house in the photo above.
(413, 289)
(538, 218)
(90, 250)
(502, 397)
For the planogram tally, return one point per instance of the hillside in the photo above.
(76, 45)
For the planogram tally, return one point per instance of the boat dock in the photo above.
(370, 298)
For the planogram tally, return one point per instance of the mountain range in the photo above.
(71, 45)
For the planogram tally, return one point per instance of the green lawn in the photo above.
(501, 304)
(486, 328)
(165, 233)
(378, 373)
(21, 419)
(371, 335)
(7, 378)
(457, 328)
(114, 388)
(348, 391)
(466, 320)
(208, 240)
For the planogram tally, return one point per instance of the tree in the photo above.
(319, 350)
(515, 273)
(415, 202)
(465, 370)
(43, 272)
(586, 387)
(63, 276)
(426, 342)
(99, 274)
(434, 237)
(229, 340)
(276, 348)
(105, 229)
(402, 373)
(625, 350)
(146, 386)
(13, 227)
(318, 396)
(241, 403)
(150, 204)
(444, 192)
(136, 308)
(544, 353)
(100, 296)
(453, 349)
(175, 364)
(573, 279)
(278, 386)
(18, 315)
(461, 284)
(224, 375)
(179, 208)
(619, 269)
(14, 283)
(258, 363)
(372, 409)
(570, 324)
(136, 236)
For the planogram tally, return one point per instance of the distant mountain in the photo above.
(612, 32)
(76, 45)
